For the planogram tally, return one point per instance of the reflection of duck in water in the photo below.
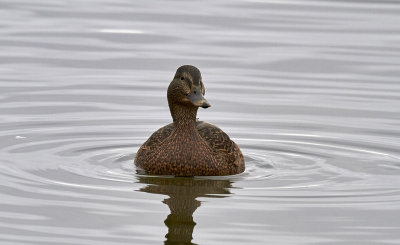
(188, 147)
(182, 201)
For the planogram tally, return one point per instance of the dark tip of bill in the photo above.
(205, 105)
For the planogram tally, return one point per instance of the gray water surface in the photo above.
(309, 90)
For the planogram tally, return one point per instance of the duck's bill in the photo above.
(197, 99)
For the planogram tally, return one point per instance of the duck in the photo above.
(189, 147)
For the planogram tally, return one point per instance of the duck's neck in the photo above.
(184, 116)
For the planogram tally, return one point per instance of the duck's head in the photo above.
(187, 88)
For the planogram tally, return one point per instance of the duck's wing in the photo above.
(154, 140)
(159, 136)
(222, 144)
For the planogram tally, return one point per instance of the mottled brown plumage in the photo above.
(187, 147)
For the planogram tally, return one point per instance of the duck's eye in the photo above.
(182, 78)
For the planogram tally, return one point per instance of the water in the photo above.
(309, 90)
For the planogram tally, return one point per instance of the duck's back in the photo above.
(226, 150)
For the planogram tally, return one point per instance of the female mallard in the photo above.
(188, 147)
